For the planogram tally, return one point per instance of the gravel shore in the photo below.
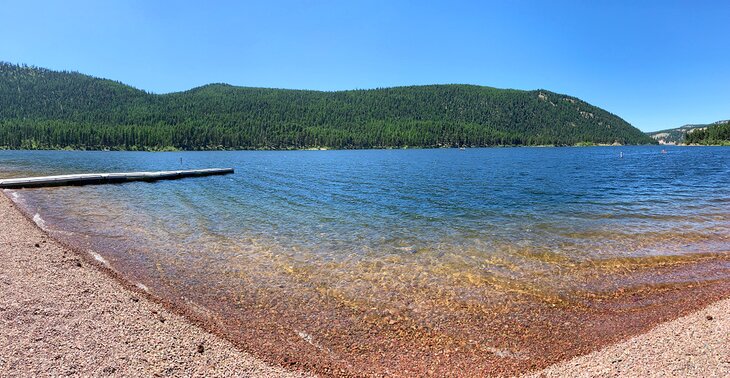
(61, 316)
(697, 345)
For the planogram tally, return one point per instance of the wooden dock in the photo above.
(108, 178)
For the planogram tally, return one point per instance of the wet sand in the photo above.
(61, 316)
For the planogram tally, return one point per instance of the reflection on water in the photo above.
(381, 260)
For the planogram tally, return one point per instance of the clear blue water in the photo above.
(392, 231)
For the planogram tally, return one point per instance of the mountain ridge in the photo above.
(41, 108)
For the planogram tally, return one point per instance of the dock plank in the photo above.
(108, 178)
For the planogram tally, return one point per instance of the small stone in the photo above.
(201, 348)
(135, 299)
(37, 245)
(109, 370)
(709, 317)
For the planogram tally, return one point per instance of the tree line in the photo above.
(712, 135)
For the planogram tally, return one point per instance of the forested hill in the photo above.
(683, 134)
(40, 108)
(717, 133)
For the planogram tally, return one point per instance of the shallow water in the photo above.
(419, 250)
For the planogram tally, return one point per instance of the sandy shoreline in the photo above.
(75, 319)
(61, 316)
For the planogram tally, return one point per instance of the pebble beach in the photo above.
(64, 315)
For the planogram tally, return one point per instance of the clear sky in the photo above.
(657, 64)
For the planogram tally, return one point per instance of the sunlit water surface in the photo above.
(339, 247)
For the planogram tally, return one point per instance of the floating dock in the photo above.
(108, 178)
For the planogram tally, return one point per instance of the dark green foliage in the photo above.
(712, 135)
(40, 108)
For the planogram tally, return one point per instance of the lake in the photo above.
(406, 262)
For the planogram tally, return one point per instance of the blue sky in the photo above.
(657, 64)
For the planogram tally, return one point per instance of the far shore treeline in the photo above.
(44, 109)
(717, 134)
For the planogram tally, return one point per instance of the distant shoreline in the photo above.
(338, 149)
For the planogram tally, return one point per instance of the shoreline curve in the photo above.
(79, 317)
(94, 322)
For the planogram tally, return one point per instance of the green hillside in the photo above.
(40, 108)
(678, 135)
(717, 133)
(673, 136)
